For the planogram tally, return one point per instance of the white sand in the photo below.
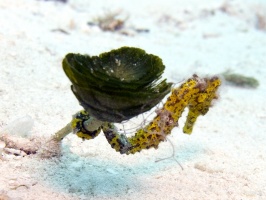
(224, 158)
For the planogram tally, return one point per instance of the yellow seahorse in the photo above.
(195, 93)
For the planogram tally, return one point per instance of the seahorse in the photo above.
(196, 94)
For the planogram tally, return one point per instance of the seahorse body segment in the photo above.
(196, 94)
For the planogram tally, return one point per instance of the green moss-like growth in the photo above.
(240, 80)
(117, 85)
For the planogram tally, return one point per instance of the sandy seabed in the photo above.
(224, 158)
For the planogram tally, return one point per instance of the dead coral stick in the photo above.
(59, 135)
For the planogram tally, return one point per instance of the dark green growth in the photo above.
(117, 85)
(240, 80)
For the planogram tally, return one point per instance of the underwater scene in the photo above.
(119, 99)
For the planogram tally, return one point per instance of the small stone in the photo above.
(2, 144)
